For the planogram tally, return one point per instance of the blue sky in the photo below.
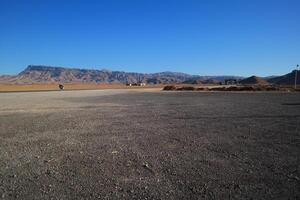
(205, 37)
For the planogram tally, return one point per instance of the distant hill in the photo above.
(254, 80)
(209, 79)
(202, 81)
(287, 79)
(269, 77)
(8, 79)
(49, 74)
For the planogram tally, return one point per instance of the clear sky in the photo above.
(205, 37)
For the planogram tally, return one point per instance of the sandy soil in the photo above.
(73, 86)
(132, 144)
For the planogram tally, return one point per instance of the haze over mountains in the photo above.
(49, 74)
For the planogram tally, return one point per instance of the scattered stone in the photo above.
(145, 164)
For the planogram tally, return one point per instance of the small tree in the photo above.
(61, 86)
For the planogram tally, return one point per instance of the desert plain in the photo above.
(149, 144)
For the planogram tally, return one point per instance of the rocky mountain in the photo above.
(287, 79)
(42, 74)
(202, 81)
(8, 79)
(254, 80)
(210, 79)
(49, 74)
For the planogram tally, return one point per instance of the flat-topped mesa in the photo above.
(40, 67)
(44, 73)
(44, 68)
(58, 68)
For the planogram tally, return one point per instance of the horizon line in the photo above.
(103, 69)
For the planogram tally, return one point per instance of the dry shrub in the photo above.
(286, 89)
(260, 89)
(247, 88)
(169, 87)
(186, 88)
(217, 89)
(232, 88)
(202, 89)
(271, 89)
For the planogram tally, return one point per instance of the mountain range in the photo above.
(49, 74)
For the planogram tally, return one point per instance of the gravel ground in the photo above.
(120, 144)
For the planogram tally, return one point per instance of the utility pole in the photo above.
(297, 66)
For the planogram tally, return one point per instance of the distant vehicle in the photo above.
(61, 87)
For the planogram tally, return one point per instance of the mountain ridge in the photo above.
(50, 74)
(287, 79)
(254, 80)
(56, 74)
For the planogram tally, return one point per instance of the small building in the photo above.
(135, 84)
(231, 81)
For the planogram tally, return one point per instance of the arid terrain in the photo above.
(149, 144)
(70, 86)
